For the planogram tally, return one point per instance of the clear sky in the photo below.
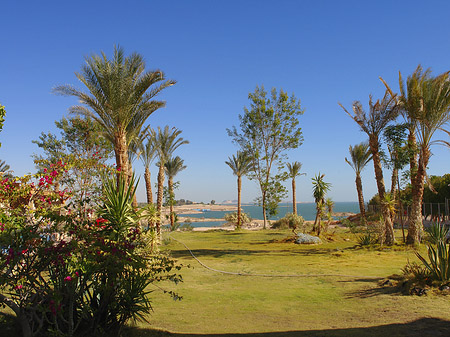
(323, 51)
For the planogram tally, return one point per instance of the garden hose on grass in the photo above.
(270, 275)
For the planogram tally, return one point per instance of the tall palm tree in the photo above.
(293, 172)
(431, 114)
(380, 114)
(425, 105)
(147, 153)
(120, 97)
(241, 164)
(166, 141)
(320, 189)
(172, 167)
(360, 156)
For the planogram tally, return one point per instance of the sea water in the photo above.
(306, 210)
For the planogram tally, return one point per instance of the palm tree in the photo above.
(172, 167)
(147, 152)
(241, 164)
(294, 171)
(166, 142)
(320, 189)
(5, 171)
(431, 114)
(425, 105)
(373, 123)
(120, 97)
(360, 156)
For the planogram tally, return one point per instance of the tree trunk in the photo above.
(159, 200)
(148, 186)
(239, 183)
(171, 201)
(294, 201)
(394, 182)
(359, 189)
(415, 224)
(389, 228)
(412, 144)
(264, 209)
(121, 152)
(130, 174)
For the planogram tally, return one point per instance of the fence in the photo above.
(434, 212)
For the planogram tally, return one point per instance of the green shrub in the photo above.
(232, 218)
(290, 220)
(367, 239)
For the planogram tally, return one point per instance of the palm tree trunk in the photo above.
(294, 201)
(159, 200)
(130, 174)
(171, 201)
(415, 225)
(148, 185)
(359, 189)
(121, 153)
(239, 183)
(389, 227)
(412, 144)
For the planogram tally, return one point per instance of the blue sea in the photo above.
(306, 210)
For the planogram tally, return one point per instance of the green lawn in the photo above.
(355, 305)
(216, 303)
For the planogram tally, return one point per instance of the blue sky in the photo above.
(323, 51)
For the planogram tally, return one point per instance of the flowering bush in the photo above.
(62, 273)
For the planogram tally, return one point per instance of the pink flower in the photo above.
(18, 287)
(68, 278)
(77, 273)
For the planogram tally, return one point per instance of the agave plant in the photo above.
(437, 233)
(439, 264)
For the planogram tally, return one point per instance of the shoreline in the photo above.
(255, 224)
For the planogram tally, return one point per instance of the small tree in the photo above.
(360, 156)
(320, 189)
(293, 172)
(267, 130)
(241, 164)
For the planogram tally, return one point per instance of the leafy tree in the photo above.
(267, 130)
(120, 97)
(172, 167)
(360, 156)
(241, 164)
(81, 145)
(380, 114)
(293, 172)
(320, 189)
(166, 141)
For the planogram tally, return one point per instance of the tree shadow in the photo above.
(431, 327)
(216, 252)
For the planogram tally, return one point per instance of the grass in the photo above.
(216, 303)
(222, 305)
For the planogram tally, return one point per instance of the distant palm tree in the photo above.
(241, 164)
(380, 114)
(120, 97)
(294, 171)
(172, 167)
(320, 189)
(360, 156)
(166, 141)
(5, 170)
(147, 153)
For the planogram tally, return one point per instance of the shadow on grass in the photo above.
(432, 327)
(421, 327)
(372, 292)
(216, 252)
